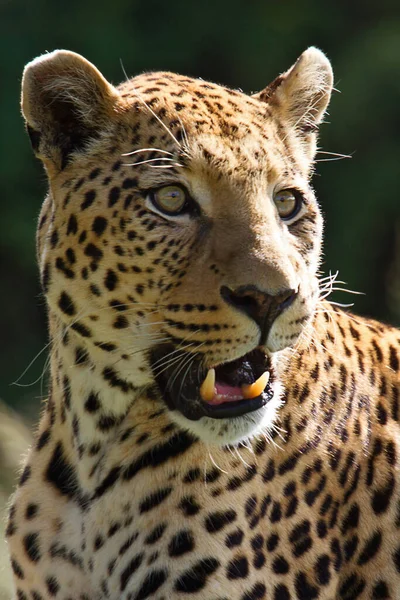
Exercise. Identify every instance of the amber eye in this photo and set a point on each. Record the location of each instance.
(288, 203)
(170, 199)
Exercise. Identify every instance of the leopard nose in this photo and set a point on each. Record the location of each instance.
(261, 307)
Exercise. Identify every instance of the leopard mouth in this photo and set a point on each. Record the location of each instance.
(227, 390)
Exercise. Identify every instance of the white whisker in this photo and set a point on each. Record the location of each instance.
(158, 119)
(342, 305)
(335, 154)
(215, 465)
(241, 458)
(147, 150)
(165, 166)
(16, 382)
(331, 159)
(151, 160)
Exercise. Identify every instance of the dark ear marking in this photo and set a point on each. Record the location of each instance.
(72, 133)
(266, 94)
(34, 136)
(73, 138)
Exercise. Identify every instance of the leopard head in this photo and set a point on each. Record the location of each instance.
(180, 240)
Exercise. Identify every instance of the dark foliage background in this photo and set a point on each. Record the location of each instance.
(242, 44)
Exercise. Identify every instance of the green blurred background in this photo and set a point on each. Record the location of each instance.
(242, 44)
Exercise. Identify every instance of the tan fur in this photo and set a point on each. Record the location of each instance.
(298, 499)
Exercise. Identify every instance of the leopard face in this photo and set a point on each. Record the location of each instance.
(181, 236)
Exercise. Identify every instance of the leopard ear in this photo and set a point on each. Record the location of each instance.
(301, 95)
(66, 103)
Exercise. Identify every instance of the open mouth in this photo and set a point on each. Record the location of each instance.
(227, 390)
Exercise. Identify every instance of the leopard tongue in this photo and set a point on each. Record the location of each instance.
(214, 392)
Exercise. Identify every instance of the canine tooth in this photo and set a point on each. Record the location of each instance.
(207, 388)
(253, 390)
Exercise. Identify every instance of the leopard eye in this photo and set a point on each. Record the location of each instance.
(288, 203)
(170, 199)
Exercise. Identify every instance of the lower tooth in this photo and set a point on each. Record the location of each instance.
(255, 389)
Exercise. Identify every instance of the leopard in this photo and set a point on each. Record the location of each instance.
(215, 428)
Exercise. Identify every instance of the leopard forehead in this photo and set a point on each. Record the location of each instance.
(210, 127)
(204, 107)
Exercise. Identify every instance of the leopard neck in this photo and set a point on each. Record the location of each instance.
(89, 402)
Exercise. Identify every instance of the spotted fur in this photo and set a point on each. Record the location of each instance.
(122, 497)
